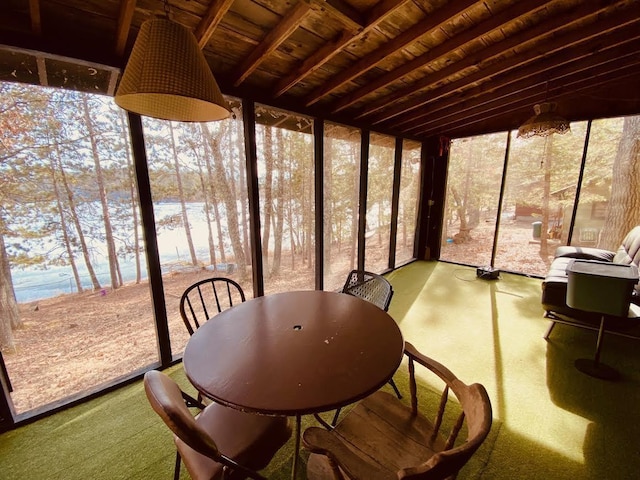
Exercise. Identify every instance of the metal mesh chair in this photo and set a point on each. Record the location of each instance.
(203, 299)
(369, 286)
(373, 288)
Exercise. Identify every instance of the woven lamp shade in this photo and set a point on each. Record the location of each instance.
(167, 76)
(544, 123)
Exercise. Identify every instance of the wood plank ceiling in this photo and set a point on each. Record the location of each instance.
(414, 68)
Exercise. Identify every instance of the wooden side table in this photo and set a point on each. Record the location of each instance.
(604, 288)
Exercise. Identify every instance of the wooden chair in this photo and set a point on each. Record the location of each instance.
(220, 442)
(375, 289)
(206, 297)
(381, 438)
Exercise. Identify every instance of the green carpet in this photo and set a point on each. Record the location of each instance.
(550, 421)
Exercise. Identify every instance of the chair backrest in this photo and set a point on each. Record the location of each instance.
(207, 297)
(475, 411)
(369, 286)
(629, 251)
(166, 399)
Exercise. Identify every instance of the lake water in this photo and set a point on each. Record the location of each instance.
(35, 284)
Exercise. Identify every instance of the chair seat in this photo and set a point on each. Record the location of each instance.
(251, 440)
(402, 440)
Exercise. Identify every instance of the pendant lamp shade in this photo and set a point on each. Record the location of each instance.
(167, 76)
(544, 123)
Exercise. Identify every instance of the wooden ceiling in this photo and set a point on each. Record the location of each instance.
(413, 68)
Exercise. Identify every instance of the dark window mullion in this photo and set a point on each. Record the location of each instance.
(576, 201)
(318, 152)
(150, 237)
(249, 120)
(362, 210)
(395, 202)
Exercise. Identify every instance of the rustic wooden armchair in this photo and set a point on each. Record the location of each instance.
(381, 438)
(203, 299)
(220, 442)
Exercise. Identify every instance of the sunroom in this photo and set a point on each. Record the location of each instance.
(373, 135)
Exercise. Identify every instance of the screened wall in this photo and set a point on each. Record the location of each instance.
(108, 217)
(574, 189)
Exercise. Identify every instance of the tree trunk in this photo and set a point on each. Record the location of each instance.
(214, 198)
(183, 204)
(9, 315)
(328, 204)
(76, 222)
(355, 196)
(546, 197)
(230, 202)
(133, 194)
(268, 198)
(309, 214)
(244, 194)
(624, 205)
(279, 220)
(63, 226)
(207, 213)
(108, 230)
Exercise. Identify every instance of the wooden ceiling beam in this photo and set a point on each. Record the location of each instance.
(274, 38)
(127, 7)
(543, 63)
(582, 87)
(211, 19)
(429, 24)
(345, 13)
(446, 48)
(543, 87)
(377, 14)
(36, 19)
(486, 95)
(573, 38)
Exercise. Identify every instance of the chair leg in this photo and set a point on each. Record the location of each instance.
(176, 469)
(335, 418)
(393, 384)
(546, 335)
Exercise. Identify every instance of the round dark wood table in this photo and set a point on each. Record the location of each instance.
(294, 353)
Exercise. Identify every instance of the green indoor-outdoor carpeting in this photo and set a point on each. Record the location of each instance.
(550, 420)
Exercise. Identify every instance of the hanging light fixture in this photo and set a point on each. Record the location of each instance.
(167, 76)
(544, 123)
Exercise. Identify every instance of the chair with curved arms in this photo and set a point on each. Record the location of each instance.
(220, 442)
(375, 289)
(381, 438)
(206, 297)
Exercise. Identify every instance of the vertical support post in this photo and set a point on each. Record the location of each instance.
(318, 154)
(503, 182)
(7, 410)
(576, 200)
(150, 237)
(395, 202)
(362, 210)
(249, 121)
(434, 161)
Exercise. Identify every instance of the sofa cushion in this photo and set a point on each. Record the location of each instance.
(585, 253)
(629, 251)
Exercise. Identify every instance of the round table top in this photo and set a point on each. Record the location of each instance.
(294, 353)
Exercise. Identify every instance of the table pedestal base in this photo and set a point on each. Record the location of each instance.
(592, 368)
